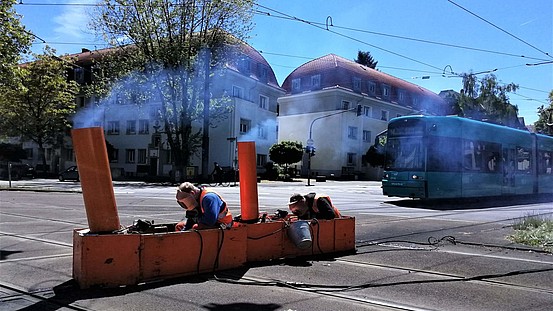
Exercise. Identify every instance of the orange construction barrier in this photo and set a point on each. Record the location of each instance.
(95, 176)
(248, 181)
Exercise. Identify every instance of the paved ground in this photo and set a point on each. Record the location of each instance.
(401, 262)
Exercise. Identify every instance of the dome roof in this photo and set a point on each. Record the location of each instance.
(336, 71)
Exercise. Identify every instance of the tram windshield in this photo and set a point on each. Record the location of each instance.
(404, 153)
(404, 148)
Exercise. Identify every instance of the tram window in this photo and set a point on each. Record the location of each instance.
(444, 154)
(523, 159)
(545, 164)
(481, 156)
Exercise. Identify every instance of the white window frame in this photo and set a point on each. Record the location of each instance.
(296, 84)
(142, 156)
(352, 132)
(384, 115)
(245, 125)
(143, 126)
(113, 128)
(367, 111)
(131, 127)
(316, 81)
(367, 136)
(345, 105)
(263, 102)
(237, 91)
(130, 155)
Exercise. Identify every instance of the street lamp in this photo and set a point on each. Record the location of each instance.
(310, 149)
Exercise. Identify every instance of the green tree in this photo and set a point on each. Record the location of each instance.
(366, 59)
(14, 41)
(39, 108)
(167, 49)
(544, 124)
(487, 99)
(286, 153)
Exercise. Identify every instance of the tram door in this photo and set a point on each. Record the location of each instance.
(509, 168)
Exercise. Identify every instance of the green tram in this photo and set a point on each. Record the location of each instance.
(438, 157)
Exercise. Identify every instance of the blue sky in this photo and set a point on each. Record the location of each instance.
(410, 39)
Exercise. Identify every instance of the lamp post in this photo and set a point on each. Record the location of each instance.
(310, 149)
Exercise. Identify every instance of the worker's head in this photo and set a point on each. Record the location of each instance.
(297, 205)
(187, 196)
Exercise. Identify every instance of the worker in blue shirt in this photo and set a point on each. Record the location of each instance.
(204, 207)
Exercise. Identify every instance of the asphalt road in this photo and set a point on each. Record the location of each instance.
(443, 256)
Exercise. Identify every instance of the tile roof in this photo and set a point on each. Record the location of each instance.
(339, 71)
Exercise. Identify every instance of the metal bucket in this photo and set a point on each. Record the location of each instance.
(300, 234)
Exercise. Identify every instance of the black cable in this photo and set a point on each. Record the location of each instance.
(497, 27)
(216, 263)
(201, 250)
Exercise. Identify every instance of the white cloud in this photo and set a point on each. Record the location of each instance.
(72, 23)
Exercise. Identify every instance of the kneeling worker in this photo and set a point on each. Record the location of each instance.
(207, 207)
(312, 205)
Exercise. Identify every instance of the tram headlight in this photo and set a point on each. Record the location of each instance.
(386, 176)
(415, 177)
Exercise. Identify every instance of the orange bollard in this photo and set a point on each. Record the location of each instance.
(248, 181)
(95, 176)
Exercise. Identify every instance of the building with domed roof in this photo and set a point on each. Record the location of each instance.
(338, 106)
(139, 149)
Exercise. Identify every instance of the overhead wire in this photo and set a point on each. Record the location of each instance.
(499, 28)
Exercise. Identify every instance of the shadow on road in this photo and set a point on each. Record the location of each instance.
(472, 203)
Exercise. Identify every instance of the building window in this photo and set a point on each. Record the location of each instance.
(131, 127)
(130, 155)
(262, 131)
(367, 111)
(261, 159)
(351, 159)
(29, 153)
(143, 126)
(141, 156)
(79, 75)
(263, 72)
(296, 84)
(385, 91)
(316, 81)
(79, 101)
(263, 102)
(384, 115)
(244, 65)
(367, 136)
(372, 87)
(237, 91)
(356, 84)
(114, 155)
(352, 132)
(345, 105)
(113, 127)
(245, 126)
(401, 96)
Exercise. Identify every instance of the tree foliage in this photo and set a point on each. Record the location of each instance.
(166, 52)
(286, 152)
(14, 41)
(39, 108)
(366, 59)
(544, 124)
(487, 100)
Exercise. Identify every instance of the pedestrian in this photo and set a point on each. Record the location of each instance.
(313, 205)
(205, 208)
(217, 174)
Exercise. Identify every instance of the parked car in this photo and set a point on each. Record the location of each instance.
(18, 171)
(71, 173)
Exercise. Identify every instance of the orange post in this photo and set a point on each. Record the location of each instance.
(248, 181)
(95, 176)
